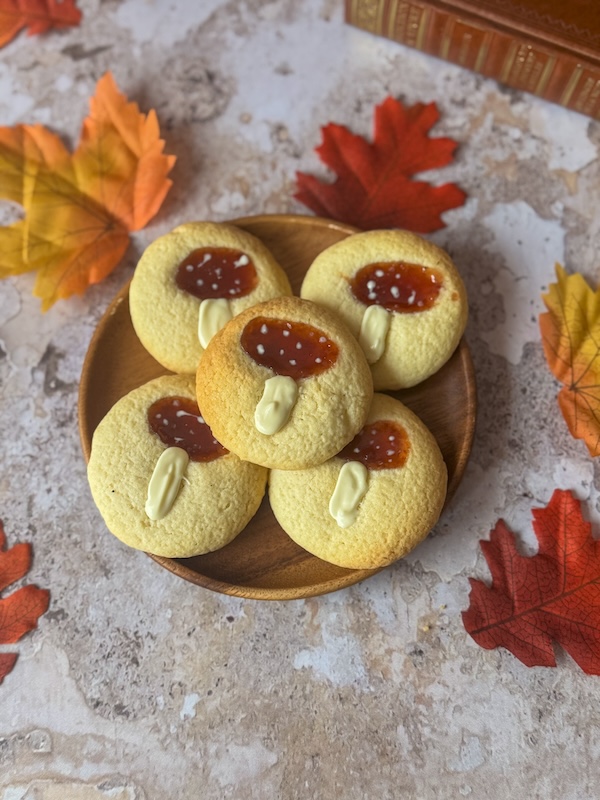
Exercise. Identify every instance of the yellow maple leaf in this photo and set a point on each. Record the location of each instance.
(571, 339)
(80, 207)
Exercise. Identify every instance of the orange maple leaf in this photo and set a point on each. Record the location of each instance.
(37, 16)
(19, 612)
(80, 207)
(571, 338)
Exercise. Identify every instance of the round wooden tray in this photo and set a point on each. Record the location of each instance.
(263, 562)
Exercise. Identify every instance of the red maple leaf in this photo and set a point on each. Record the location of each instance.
(551, 596)
(374, 188)
(19, 612)
(37, 16)
(7, 662)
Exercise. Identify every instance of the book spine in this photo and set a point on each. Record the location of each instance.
(524, 64)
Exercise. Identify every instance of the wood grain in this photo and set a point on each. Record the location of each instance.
(263, 562)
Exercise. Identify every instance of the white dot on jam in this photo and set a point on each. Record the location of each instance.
(233, 291)
(371, 285)
(218, 272)
(390, 452)
(373, 432)
(281, 352)
(391, 438)
(356, 450)
(215, 441)
(372, 296)
(199, 282)
(214, 286)
(298, 345)
(201, 420)
(175, 402)
(260, 349)
(292, 362)
(286, 333)
(395, 291)
(379, 273)
(237, 282)
(318, 360)
(263, 329)
(322, 339)
(158, 416)
(189, 267)
(165, 422)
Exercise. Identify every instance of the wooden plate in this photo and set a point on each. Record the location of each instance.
(263, 562)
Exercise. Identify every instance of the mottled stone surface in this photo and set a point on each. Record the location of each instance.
(138, 685)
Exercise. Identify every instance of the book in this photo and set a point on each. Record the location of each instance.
(549, 48)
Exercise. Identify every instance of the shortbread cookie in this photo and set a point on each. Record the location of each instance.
(400, 295)
(373, 502)
(284, 384)
(182, 507)
(191, 281)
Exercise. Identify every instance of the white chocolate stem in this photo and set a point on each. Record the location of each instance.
(374, 329)
(351, 487)
(165, 482)
(214, 314)
(276, 404)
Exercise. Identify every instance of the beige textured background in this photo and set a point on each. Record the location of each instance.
(139, 686)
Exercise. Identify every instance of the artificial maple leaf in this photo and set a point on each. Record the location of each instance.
(80, 207)
(20, 611)
(37, 16)
(571, 338)
(7, 662)
(551, 596)
(374, 188)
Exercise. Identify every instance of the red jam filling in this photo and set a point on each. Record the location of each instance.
(294, 349)
(397, 286)
(178, 423)
(381, 445)
(212, 272)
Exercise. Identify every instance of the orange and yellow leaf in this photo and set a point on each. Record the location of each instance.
(571, 339)
(79, 208)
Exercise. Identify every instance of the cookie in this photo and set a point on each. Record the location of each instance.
(400, 295)
(284, 384)
(189, 282)
(373, 502)
(182, 507)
